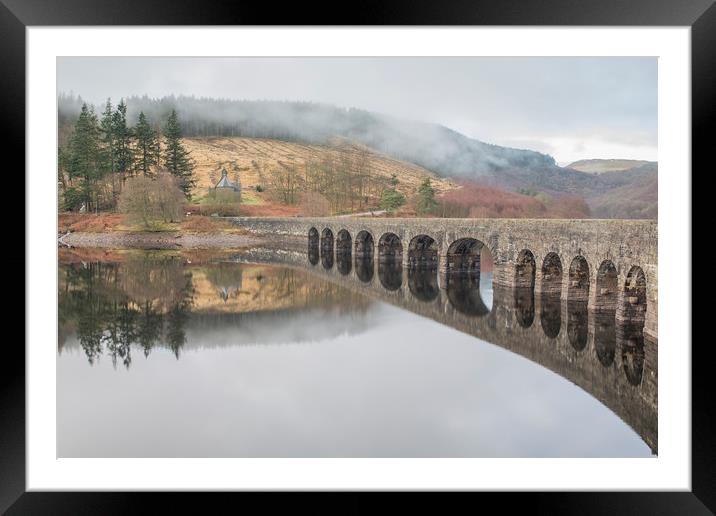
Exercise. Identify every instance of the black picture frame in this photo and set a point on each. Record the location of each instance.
(16, 15)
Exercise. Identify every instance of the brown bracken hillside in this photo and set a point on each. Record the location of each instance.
(252, 159)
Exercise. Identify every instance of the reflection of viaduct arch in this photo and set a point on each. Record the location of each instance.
(615, 268)
(616, 365)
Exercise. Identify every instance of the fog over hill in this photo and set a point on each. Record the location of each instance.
(437, 148)
(432, 146)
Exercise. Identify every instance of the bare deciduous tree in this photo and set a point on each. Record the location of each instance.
(152, 201)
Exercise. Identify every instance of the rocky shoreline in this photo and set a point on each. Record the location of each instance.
(158, 240)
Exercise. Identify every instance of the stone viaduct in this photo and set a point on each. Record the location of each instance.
(609, 265)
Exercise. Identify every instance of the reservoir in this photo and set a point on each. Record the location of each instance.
(269, 354)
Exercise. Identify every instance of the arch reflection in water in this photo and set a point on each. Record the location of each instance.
(390, 273)
(463, 291)
(364, 267)
(630, 340)
(605, 337)
(524, 299)
(423, 282)
(577, 324)
(550, 314)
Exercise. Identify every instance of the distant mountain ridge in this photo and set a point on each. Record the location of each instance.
(600, 166)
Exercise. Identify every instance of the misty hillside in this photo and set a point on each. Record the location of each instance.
(431, 146)
(629, 193)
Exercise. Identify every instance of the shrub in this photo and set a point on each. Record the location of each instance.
(149, 201)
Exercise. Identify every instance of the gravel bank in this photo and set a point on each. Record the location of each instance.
(158, 240)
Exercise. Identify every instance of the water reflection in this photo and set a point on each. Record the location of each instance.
(550, 314)
(630, 340)
(151, 302)
(364, 267)
(463, 290)
(390, 273)
(577, 324)
(524, 299)
(423, 282)
(343, 262)
(605, 337)
(144, 302)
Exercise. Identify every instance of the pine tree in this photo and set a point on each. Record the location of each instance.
(146, 146)
(84, 162)
(123, 140)
(426, 197)
(176, 158)
(109, 146)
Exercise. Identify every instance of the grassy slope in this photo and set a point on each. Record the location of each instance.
(244, 155)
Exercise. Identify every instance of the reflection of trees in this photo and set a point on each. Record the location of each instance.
(117, 305)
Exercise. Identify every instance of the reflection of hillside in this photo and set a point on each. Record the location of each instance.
(233, 288)
(158, 300)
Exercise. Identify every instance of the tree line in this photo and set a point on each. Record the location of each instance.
(339, 181)
(102, 153)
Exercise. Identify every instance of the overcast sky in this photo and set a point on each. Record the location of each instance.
(570, 108)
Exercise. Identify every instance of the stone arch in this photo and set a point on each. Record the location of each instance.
(578, 286)
(463, 255)
(634, 306)
(364, 244)
(390, 248)
(552, 274)
(607, 288)
(327, 248)
(343, 252)
(423, 252)
(525, 268)
(343, 242)
(326, 241)
(313, 241)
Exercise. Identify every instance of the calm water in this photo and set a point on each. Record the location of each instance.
(162, 355)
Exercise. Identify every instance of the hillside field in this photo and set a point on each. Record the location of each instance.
(250, 158)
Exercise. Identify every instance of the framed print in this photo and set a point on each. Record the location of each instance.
(418, 253)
